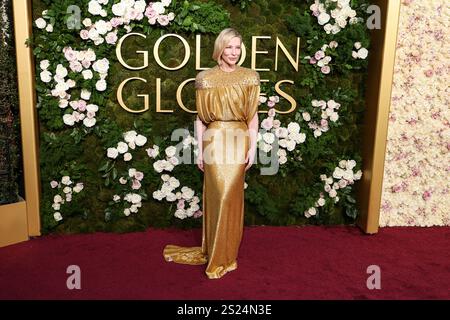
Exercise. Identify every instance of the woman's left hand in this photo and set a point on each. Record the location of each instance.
(250, 158)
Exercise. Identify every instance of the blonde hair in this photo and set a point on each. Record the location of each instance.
(222, 41)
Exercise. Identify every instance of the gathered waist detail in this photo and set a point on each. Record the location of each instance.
(227, 124)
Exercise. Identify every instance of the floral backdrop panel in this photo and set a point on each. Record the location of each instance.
(116, 104)
(416, 179)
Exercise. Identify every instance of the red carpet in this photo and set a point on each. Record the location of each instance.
(274, 263)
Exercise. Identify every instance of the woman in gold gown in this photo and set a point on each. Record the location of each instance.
(227, 98)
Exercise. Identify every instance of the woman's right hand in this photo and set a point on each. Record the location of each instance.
(200, 161)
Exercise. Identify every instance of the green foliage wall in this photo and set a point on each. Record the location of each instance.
(278, 200)
(11, 173)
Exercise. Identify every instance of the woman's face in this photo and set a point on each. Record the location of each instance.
(232, 51)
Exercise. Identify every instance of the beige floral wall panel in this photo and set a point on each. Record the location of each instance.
(416, 177)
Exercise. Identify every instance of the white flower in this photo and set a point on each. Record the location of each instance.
(61, 71)
(269, 137)
(66, 180)
(87, 22)
(127, 156)
(126, 212)
(332, 193)
(170, 151)
(158, 195)
(87, 74)
(46, 76)
(306, 116)
(281, 132)
(140, 140)
(67, 189)
(158, 7)
(136, 198)
(100, 85)
(119, 9)
(357, 45)
(111, 38)
(57, 199)
(78, 187)
(312, 211)
(350, 164)
(130, 136)
(171, 197)
(44, 64)
(174, 183)
(122, 147)
(40, 23)
(101, 66)
(68, 119)
(116, 198)
(112, 153)
(122, 180)
(57, 216)
(363, 53)
(94, 7)
(85, 94)
(179, 213)
(90, 55)
(321, 202)
(323, 18)
(293, 127)
(334, 117)
(187, 193)
(89, 122)
(49, 28)
(166, 3)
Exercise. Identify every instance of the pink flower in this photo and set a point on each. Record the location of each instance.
(136, 184)
(270, 104)
(149, 12)
(429, 73)
(84, 34)
(81, 105)
(54, 184)
(396, 188)
(312, 61)
(198, 214)
(115, 22)
(163, 20)
(323, 123)
(139, 175)
(319, 55)
(267, 123)
(426, 195)
(111, 38)
(86, 63)
(180, 204)
(325, 69)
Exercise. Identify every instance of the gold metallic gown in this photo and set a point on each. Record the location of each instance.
(226, 103)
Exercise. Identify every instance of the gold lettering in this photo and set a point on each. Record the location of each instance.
(180, 100)
(120, 97)
(119, 52)
(254, 52)
(198, 39)
(286, 96)
(286, 53)
(158, 97)
(187, 51)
